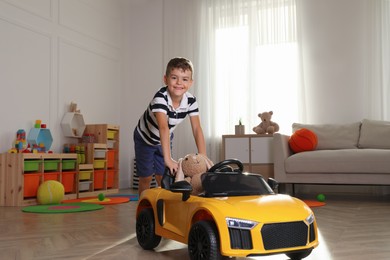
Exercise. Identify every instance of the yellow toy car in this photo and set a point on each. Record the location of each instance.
(238, 215)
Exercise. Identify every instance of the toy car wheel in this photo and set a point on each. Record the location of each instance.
(146, 237)
(203, 241)
(299, 255)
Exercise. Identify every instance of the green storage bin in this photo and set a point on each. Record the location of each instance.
(32, 165)
(68, 164)
(51, 165)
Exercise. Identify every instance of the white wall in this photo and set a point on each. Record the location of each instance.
(143, 70)
(107, 55)
(333, 35)
(53, 52)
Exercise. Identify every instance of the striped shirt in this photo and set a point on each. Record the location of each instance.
(147, 125)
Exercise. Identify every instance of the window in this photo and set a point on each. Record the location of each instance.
(256, 65)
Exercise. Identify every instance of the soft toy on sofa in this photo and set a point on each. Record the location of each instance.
(266, 126)
(191, 168)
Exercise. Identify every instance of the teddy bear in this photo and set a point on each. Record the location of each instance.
(191, 169)
(266, 126)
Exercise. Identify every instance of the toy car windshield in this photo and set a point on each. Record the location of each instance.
(222, 184)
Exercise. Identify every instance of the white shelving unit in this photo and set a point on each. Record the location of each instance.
(73, 124)
(254, 151)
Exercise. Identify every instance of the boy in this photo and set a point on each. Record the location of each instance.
(154, 132)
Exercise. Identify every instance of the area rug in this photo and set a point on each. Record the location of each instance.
(62, 208)
(132, 197)
(95, 200)
(314, 203)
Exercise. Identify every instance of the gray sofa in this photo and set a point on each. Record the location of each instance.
(354, 153)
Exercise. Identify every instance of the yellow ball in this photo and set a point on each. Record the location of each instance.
(50, 192)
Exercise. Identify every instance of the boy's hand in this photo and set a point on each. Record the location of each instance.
(172, 165)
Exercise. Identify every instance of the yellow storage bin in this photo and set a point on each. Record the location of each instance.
(85, 175)
(99, 164)
(111, 134)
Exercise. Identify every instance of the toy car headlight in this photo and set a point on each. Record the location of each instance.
(310, 219)
(240, 223)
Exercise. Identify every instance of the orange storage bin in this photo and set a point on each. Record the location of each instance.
(110, 158)
(98, 179)
(51, 176)
(31, 184)
(68, 180)
(110, 178)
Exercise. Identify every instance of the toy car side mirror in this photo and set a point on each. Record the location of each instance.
(273, 183)
(182, 187)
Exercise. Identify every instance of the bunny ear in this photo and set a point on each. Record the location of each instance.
(179, 174)
(209, 163)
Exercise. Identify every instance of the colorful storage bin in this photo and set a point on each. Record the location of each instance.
(99, 164)
(85, 175)
(111, 134)
(110, 144)
(68, 164)
(85, 185)
(98, 153)
(51, 165)
(110, 178)
(110, 158)
(98, 179)
(32, 165)
(68, 180)
(31, 184)
(51, 176)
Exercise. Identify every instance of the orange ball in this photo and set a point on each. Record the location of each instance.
(303, 140)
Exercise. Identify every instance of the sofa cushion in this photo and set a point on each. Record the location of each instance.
(340, 161)
(333, 136)
(375, 134)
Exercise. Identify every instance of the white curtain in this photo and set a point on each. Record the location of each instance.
(378, 60)
(248, 60)
(246, 57)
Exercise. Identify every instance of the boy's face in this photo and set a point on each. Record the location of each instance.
(178, 82)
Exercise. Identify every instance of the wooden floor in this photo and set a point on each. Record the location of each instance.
(352, 227)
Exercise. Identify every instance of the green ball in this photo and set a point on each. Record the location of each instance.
(321, 197)
(101, 196)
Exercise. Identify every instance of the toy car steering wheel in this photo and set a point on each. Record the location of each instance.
(218, 166)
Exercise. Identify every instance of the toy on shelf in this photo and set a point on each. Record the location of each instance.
(77, 149)
(266, 126)
(73, 122)
(80, 150)
(39, 138)
(20, 144)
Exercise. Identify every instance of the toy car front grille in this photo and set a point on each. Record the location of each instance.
(240, 238)
(284, 235)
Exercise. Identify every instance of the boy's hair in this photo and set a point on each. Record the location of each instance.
(179, 63)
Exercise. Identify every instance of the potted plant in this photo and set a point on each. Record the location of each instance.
(240, 128)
